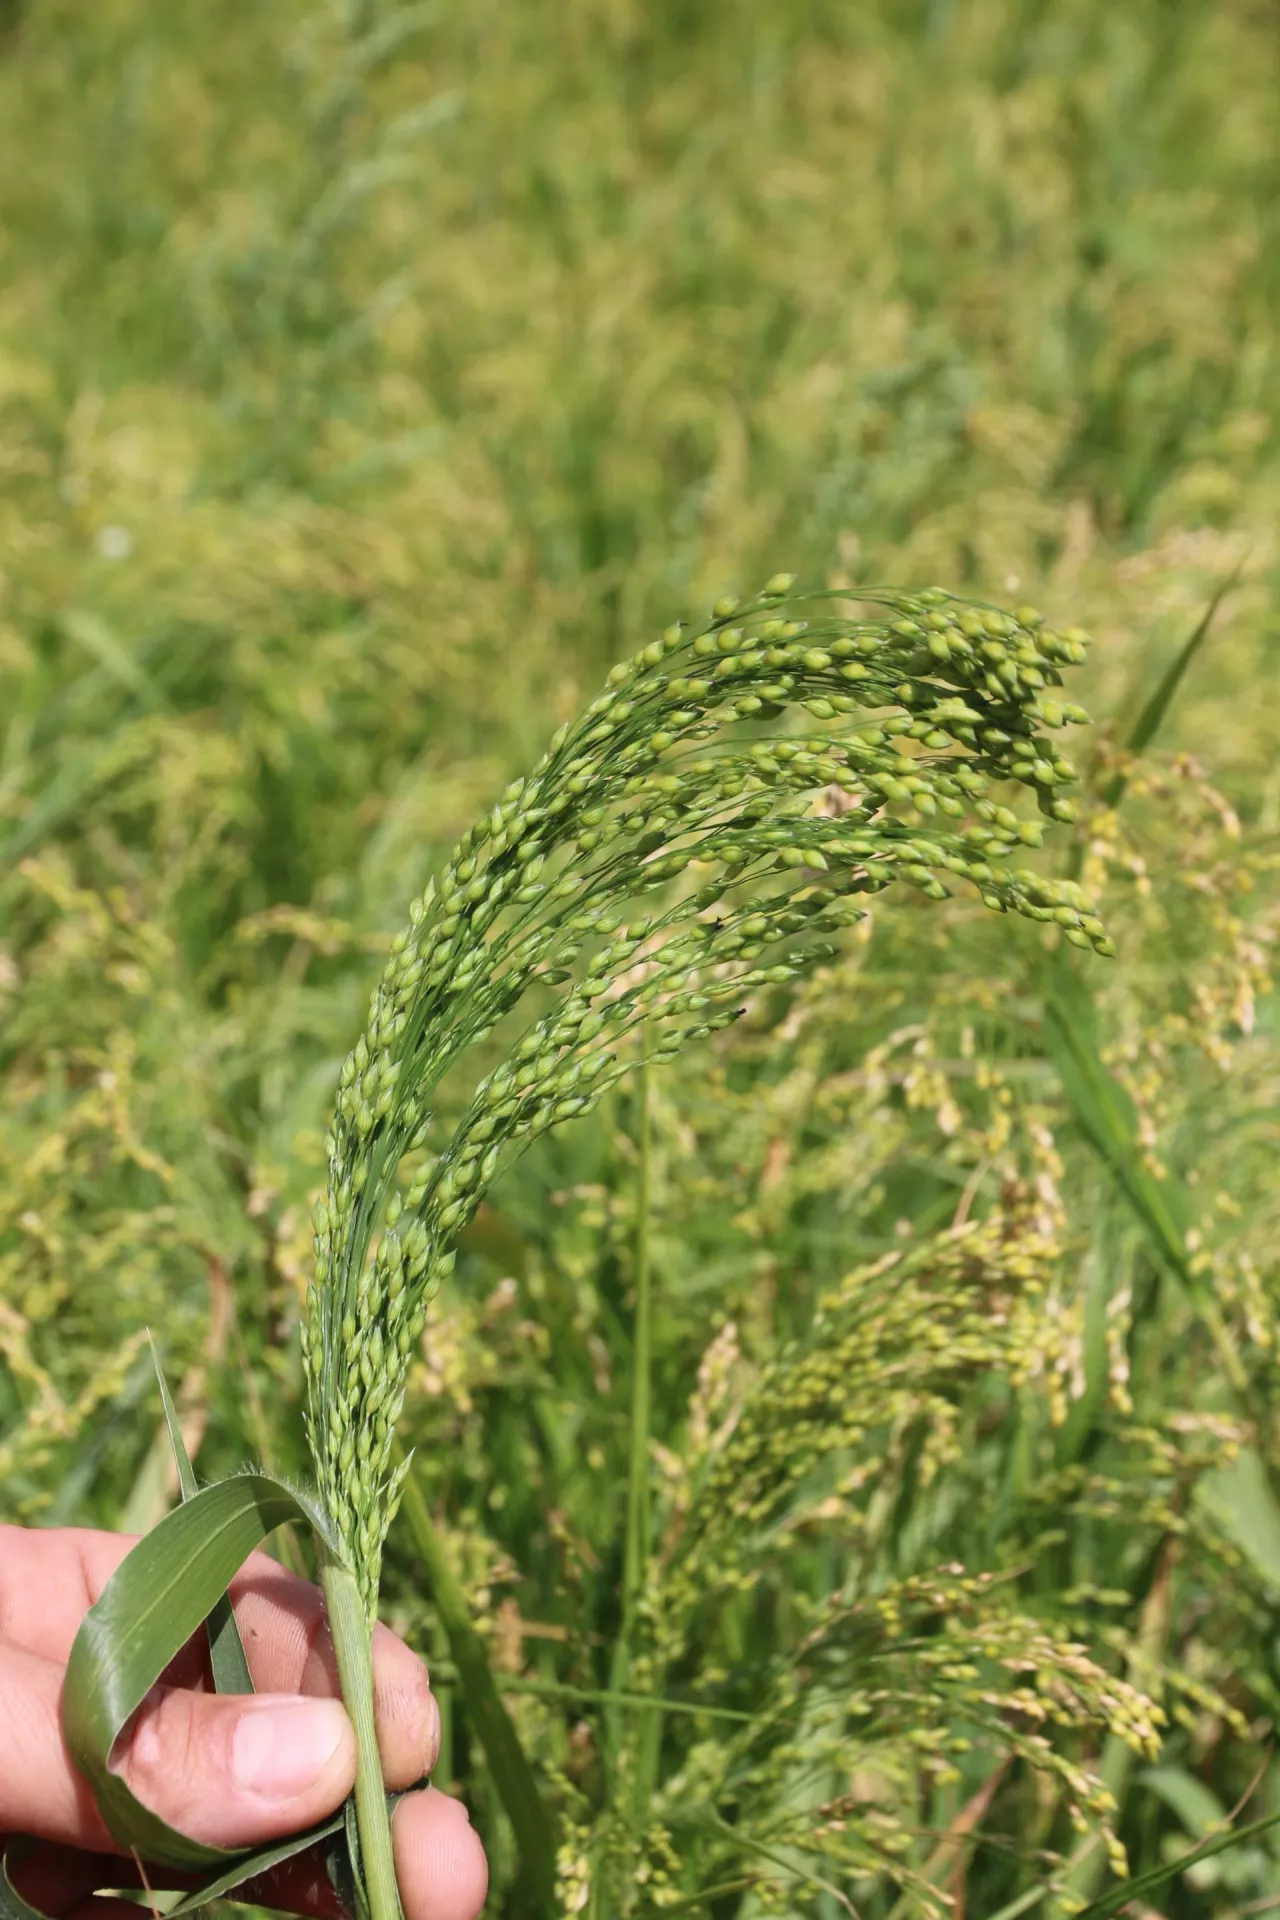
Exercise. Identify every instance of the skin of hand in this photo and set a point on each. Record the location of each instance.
(231, 1770)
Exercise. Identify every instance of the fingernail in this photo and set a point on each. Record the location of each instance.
(280, 1748)
(433, 1733)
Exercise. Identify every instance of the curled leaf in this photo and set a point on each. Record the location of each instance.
(161, 1593)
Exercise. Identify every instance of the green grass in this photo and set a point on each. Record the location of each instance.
(370, 380)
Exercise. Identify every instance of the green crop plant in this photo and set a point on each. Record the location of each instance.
(344, 344)
(693, 840)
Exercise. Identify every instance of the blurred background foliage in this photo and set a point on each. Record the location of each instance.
(371, 376)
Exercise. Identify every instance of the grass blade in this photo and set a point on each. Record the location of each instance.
(1106, 1117)
(65, 1507)
(606, 1697)
(1123, 1894)
(246, 1866)
(1022, 1904)
(158, 1597)
(1241, 1499)
(12, 1904)
(97, 639)
(1151, 718)
(513, 1777)
(58, 800)
(250, 1865)
(226, 1649)
(178, 1446)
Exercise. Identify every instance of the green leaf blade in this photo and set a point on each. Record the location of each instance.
(1126, 1891)
(12, 1904)
(226, 1648)
(249, 1866)
(514, 1778)
(1152, 717)
(1106, 1115)
(155, 1601)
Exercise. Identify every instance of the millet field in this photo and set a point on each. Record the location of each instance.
(839, 1471)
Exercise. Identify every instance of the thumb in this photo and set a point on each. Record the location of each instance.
(235, 1769)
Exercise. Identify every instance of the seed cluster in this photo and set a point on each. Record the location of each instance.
(913, 1678)
(895, 1347)
(885, 1684)
(674, 852)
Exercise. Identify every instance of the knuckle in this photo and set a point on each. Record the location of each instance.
(402, 1695)
(434, 1734)
(160, 1750)
(319, 1664)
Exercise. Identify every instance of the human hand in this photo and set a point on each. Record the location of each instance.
(231, 1770)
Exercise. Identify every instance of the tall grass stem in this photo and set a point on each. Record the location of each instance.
(353, 1650)
(650, 1728)
(522, 1800)
(637, 1544)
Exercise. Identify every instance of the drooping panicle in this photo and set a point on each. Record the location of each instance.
(729, 801)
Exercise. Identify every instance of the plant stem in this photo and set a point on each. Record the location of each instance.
(516, 1783)
(637, 1545)
(352, 1646)
(636, 1549)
